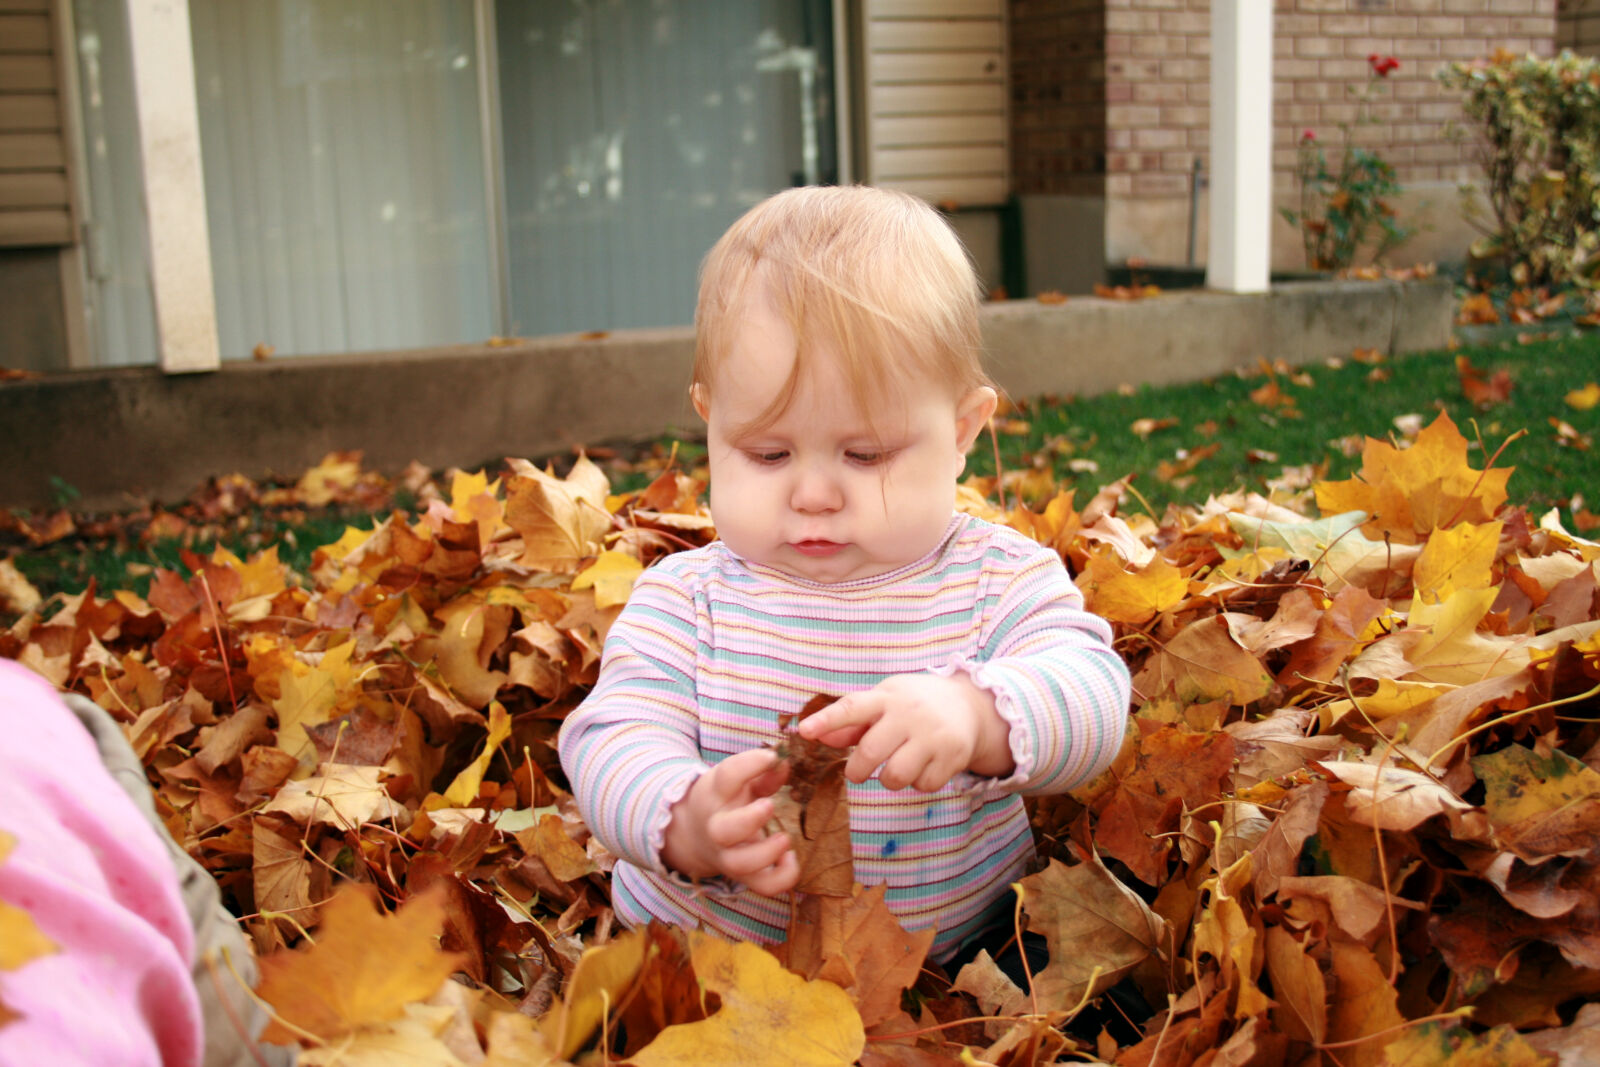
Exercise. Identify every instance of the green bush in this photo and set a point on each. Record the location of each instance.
(1539, 123)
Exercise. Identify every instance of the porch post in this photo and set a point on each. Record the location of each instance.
(1240, 255)
(174, 191)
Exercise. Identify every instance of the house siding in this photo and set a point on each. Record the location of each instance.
(35, 194)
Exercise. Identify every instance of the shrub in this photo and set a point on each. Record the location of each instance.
(1539, 123)
(1340, 206)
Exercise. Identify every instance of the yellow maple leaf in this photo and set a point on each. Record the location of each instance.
(1361, 1002)
(1460, 557)
(474, 498)
(364, 968)
(263, 575)
(322, 483)
(1448, 646)
(1131, 596)
(1585, 398)
(611, 576)
(763, 1007)
(465, 788)
(1411, 492)
(597, 982)
(309, 696)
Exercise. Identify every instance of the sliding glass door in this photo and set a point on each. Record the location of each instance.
(388, 174)
(635, 131)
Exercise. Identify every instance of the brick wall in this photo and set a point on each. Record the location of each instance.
(1058, 96)
(1141, 68)
(1321, 63)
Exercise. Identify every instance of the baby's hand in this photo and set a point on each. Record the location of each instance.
(921, 729)
(718, 827)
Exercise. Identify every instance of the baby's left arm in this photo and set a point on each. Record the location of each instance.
(1044, 706)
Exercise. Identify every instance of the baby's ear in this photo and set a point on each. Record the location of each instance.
(972, 415)
(701, 400)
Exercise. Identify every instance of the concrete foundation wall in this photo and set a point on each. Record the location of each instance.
(128, 435)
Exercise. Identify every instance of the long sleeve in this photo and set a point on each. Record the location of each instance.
(1055, 678)
(632, 749)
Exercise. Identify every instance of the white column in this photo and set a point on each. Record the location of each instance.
(1240, 256)
(174, 191)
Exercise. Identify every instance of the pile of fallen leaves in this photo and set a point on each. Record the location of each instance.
(1356, 821)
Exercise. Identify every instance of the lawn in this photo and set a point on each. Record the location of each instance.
(1261, 428)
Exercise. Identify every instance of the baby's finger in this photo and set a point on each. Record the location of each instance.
(733, 780)
(736, 826)
(876, 746)
(904, 767)
(857, 712)
(778, 878)
(744, 862)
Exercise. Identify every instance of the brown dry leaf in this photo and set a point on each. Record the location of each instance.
(364, 969)
(1204, 662)
(562, 856)
(1483, 393)
(343, 795)
(858, 944)
(813, 808)
(1177, 770)
(1298, 987)
(561, 520)
(1477, 310)
(1092, 922)
(763, 1007)
(1392, 798)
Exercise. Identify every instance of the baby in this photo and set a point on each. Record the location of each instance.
(837, 369)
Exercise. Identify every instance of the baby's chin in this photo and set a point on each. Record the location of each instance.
(834, 571)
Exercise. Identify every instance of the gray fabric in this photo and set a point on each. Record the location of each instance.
(218, 940)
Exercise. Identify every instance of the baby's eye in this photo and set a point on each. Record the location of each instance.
(868, 458)
(765, 457)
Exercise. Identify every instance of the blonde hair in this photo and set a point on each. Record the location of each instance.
(876, 275)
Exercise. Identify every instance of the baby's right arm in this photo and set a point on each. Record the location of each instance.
(719, 827)
(632, 754)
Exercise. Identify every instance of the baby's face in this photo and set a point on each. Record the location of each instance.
(824, 493)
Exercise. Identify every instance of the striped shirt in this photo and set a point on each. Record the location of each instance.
(712, 648)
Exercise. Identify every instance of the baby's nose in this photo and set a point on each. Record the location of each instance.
(815, 490)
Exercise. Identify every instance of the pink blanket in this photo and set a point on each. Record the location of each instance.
(96, 879)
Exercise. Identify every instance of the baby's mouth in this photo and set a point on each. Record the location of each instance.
(817, 548)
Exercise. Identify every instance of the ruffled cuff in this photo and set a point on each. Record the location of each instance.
(656, 838)
(1019, 738)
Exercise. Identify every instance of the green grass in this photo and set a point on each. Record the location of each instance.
(1339, 404)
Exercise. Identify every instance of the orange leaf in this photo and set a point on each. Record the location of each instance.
(1131, 596)
(1410, 493)
(364, 968)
